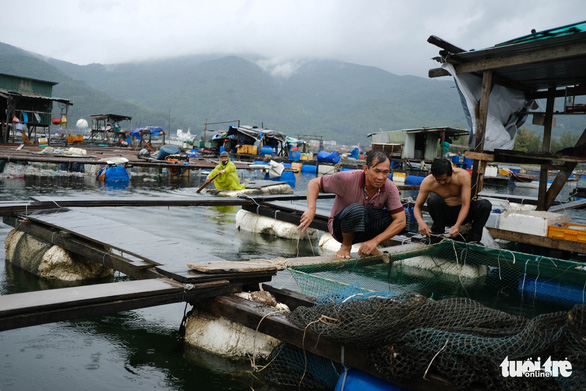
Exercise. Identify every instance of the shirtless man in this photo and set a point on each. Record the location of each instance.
(367, 208)
(448, 192)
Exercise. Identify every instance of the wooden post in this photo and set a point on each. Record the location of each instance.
(482, 115)
(561, 178)
(545, 147)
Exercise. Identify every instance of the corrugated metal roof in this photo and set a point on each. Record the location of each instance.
(547, 60)
(29, 95)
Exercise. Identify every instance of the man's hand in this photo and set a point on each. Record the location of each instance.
(222, 172)
(454, 231)
(369, 248)
(208, 180)
(306, 219)
(424, 229)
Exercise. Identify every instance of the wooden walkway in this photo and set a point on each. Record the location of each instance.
(159, 265)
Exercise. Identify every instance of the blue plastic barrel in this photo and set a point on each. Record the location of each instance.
(355, 380)
(309, 168)
(285, 164)
(328, 157)
(167, 150)
(289, 177)
(286, 176)
(266, 151)
(551, 290)
(468, 162)
(116, 174)
(456, 159)
(414, 180)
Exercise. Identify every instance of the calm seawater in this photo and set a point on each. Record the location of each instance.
(136, 350)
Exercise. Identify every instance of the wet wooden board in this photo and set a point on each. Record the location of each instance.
(233, 267)
(32, 308)
(186, 275)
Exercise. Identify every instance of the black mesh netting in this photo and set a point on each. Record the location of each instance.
(293, 368)
(408, 335)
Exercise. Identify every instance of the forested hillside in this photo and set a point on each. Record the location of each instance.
(340, 101)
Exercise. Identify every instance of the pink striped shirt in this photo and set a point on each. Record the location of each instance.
(350, 188)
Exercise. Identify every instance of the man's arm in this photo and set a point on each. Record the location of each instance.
(313, 189)
(465, 195)
(418, 208)
(398, 224)
(212, 173)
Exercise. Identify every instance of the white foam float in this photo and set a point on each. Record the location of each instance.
(328, 245)
(251, 222)
(49, 261)
(255, 188)
(219, 335)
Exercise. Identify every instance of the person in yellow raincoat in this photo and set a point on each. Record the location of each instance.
(227, 178)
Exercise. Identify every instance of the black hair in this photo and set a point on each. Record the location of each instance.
(441, 166)
(375, 157)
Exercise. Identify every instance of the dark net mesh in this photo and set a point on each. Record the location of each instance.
(408, 335)
(452, 310)
(293, 368)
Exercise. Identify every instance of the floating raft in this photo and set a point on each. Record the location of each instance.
(255, 188)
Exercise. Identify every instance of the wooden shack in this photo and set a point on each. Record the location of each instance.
(548, 65)
(414, 144)
(28, 105)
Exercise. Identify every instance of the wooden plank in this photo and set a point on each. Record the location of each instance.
(578, 204)
(541, 241)
(185, 275)
(19, 303)
(538, 55)
(195, 200)
(485, 156)
(39, 307)
(234, 266)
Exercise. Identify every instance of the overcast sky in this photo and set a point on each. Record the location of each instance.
(389, 34)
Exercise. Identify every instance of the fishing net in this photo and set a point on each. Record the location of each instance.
(296, 369)
(453, 310)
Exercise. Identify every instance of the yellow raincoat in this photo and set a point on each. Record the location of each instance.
(227, 181)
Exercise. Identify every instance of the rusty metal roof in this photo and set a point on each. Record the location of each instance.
(539, 61)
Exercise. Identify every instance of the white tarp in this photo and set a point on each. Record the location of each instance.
(506, 110)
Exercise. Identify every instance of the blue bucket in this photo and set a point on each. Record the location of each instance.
(294, 155)
(456, 159)
(468, 162)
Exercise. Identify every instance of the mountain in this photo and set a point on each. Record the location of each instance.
(337, 100)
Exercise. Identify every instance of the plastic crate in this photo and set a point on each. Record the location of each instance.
(568, 231)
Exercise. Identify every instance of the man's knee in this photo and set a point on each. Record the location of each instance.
(434, 201)
(484, 206)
